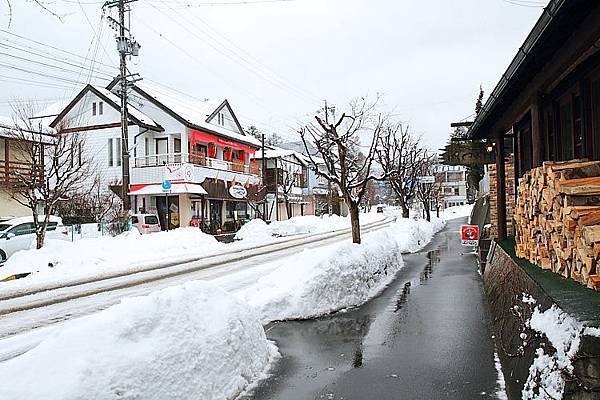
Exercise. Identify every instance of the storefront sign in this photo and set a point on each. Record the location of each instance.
(469, 235)
(179, 172)
(238, 192)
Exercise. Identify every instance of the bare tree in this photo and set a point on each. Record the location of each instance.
(401, 156)
(51, 167)
(98, 205)
(338, 144)
(428, 192)
(289, 180)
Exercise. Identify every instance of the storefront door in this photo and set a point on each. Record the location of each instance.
(173, 211)
(215, 214)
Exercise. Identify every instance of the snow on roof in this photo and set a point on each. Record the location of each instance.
(11, 128)
(280, 153)
(134, 112)
(193, 110)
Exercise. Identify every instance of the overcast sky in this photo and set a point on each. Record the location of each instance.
(276, 61)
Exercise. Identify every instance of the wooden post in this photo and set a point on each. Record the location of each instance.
(500, 186)
(537, 136)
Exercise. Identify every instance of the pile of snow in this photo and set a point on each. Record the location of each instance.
(548, 371)
(193, 341)
(258, 231)
(413, 234)
(338, 276)
(95, 255)
(457, 211)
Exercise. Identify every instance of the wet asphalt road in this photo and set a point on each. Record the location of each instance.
(427, 336)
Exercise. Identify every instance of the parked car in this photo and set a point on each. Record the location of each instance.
(19, 234)
(145, 223)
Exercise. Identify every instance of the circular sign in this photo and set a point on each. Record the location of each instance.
(166, 184)
(238, 192)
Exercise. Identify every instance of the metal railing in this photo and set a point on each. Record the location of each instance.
(195, 158)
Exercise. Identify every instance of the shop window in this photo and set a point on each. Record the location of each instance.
(566, 131)
(596, 117)
(578, 128)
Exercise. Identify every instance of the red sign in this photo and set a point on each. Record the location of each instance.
(204, 137)
(469, 235)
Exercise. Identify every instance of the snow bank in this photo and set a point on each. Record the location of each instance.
(258, 231)
(193, 341)
(327, 279)
(547, 372)
(93, 255)
(457, 211)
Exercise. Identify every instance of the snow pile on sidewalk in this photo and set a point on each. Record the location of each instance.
(547, 372)
(258, 231)
(413, 234)
(96, 255)
(327, 279)
(193, 341)
(457, 211)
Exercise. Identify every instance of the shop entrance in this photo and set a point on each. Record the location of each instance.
(216, 207)
(172, 210)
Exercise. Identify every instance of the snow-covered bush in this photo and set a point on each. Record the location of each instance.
(193, 341)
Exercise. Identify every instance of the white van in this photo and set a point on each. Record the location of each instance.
(19, 234)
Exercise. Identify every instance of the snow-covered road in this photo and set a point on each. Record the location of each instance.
(28, 319)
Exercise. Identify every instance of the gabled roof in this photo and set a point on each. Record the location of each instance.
(194, 114)
(135, 115)
(280, 153)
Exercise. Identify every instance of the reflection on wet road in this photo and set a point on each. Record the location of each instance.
(427, 336)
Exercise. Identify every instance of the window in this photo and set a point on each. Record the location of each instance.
(566, 131)
(596, 117)
(110, 152)
(221, 118)
(94, 108)
(23, 229)
(51, 226)
(100, 108)
(151, 220)
(118, 143)
(456, 191)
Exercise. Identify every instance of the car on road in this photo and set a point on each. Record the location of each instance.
(19, 234)
(145, 223)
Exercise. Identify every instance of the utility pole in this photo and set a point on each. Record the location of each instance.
(264, 177)
(329, 200)
(126, 46)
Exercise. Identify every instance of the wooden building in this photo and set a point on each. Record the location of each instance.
(546, 106)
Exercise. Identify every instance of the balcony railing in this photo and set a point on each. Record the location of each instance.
(199, 159)
(11, 171)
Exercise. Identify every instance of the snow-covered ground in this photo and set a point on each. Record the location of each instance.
(258, 231)
(197, 341)
(457, 212)
(87, 257)
(327, 279)
(550, 367)
(193, 341)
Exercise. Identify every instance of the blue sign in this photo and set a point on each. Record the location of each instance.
(166, 185)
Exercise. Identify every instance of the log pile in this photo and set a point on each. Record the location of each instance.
(557, 218)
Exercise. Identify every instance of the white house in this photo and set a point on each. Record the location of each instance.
(286, 180)
(198, 146)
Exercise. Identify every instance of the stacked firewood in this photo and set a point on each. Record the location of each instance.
(557, 219)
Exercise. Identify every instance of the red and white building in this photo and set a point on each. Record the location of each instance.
(198, 146)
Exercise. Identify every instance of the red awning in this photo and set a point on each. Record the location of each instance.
(199, 136)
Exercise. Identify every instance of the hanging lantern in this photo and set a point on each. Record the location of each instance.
(227, 153)
(242, 156)
(212, 150)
